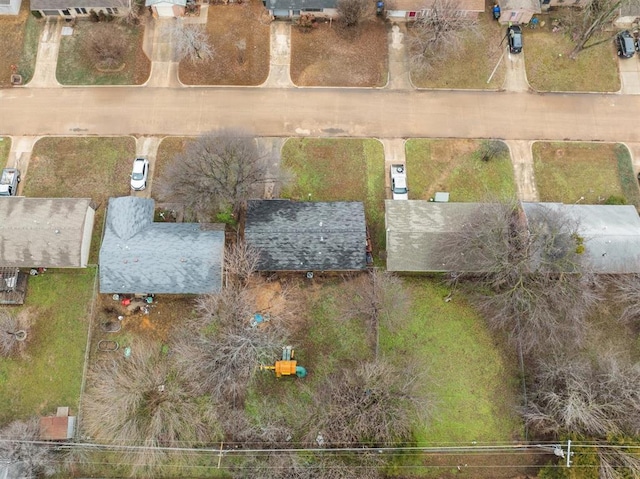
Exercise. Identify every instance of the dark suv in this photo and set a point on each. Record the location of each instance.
(514, 34)
(625, 44)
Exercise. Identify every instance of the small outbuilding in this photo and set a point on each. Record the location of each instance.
(60, 427)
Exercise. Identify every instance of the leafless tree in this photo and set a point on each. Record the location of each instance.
(216, 171)
(527, 274)
(597, 397)
(17, 448)
(439, 33)
(191, 41)
(596, 17)
(354, 12)
(370, 403)
(106, 45)
(626, 290)
(618, 463)
(142, 400)
(221, 351)
(240, 263)
(10, 334)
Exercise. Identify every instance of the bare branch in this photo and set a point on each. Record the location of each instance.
(354, 12)
(33, 460)
(191, 41)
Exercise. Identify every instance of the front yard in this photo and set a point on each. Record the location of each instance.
(455, 166)
(240, 38)
(83, 167)
(588, 173)
(19, 36)
(49, 373)
(333, 55)
(75, 67)
(5, 148)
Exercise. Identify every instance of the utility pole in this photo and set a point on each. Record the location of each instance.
(569, 453)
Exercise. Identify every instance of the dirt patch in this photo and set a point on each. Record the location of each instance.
(332, 55)
(240, 37)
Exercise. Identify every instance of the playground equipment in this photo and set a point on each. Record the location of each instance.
(287, 366)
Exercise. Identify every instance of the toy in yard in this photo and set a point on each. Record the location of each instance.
(287, 366)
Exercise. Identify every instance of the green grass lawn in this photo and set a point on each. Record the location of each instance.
(549, 67)
(74, 68)
(19, 36)
(339, 170)
(49, 373)
(89, 167)
(475, 389)
(5, 148)
(566, 172)
(473, 63)
(455, 166)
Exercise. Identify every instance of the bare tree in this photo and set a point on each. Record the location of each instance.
(240, 263)
(216, 171)
(527, 274)
(372, 403)
(354, 12)
(11, 334)
(439, 33)
(191, 41)
(596, 17)
(626, 290)
(221, 351)
(106, 45)
(142, 400)
(18, 449)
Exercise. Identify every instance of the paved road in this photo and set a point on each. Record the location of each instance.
(319, 112)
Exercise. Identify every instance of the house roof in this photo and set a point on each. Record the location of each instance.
(300, 4)
(140, 256)
(418, 5)
(307, 236)
(56, 428)
(89, 4)
(520, 5)
(45, 232)
(414, 228)
(611, 233)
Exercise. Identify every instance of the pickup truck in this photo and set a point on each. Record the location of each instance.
(399, 190)
(9, 182)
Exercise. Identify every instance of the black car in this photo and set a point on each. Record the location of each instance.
(514, 35)
(625, 44)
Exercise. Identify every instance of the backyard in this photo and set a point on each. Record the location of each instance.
(339, 170)
(549, 67)
(75, 67)
(240, 39)
(19, 36)
(589, 173)
(49, 373)
(333, 55)
(470, 66)
(5, 148)
(456, 166)
(83, 167)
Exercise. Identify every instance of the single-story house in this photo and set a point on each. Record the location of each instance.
(167, 8)
(307, 236)
(518, 11)
(294, 8)
(79, 8)
(10, 7)
(139, 255)
(410, 10)
(45, 232)
(415, 229)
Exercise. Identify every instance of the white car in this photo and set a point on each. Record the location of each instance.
(399, 190)
(139, 174)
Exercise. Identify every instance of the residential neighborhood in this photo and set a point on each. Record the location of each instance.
(319, 239)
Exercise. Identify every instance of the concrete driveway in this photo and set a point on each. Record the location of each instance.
(630, 75)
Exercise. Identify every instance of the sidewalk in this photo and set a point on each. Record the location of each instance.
(44, 75)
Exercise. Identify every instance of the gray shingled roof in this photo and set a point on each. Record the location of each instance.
(307, 236)
(140, 256)
(300, 4)
(88, 4)
(45, 232)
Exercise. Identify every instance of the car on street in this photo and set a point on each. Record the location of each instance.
(139, 174)
(514, 37)
(625, 44)
(399, 190)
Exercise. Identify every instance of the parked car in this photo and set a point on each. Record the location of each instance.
(625, 44)
(9, 182)
(139, 174)
(514, 36)
(399, 190)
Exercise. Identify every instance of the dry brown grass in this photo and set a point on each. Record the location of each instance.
(18, 44)
(333, 55)
(240, 38)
